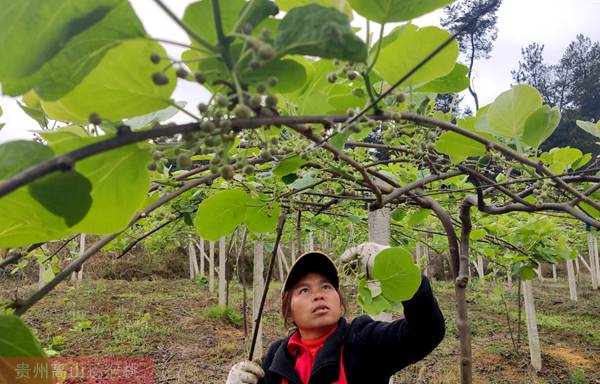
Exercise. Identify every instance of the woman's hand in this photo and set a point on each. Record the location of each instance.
(245, 372)
(365, 255)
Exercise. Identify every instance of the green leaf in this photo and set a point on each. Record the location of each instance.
(589, 127)
(17, 156)
(119, 87)
(120, 181)
(36, 114)
(418, 217)
(458, 147)
(17, 340)
(289, 165)
(261, 217)
(540, 125)
(478, 234)
(398, 214)
(303, 182)
(47, 275)
(508, 114)
(339, 140)
(408, 45)
(56, 44)
(385, 11)
(583, 160)
(260, 10)
(400, 278)
(318, 31)
(199, 18)
(221, 213)
(340, 5)
(454, 82)
(25, 221)
(354, 219)
(290, 73)
(526, 273)
(65, 194)
(560, 159)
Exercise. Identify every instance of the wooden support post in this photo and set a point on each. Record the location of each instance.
(280, 265)
(293, 251)
(596, 258)
(211, 266)
(379, 232)
(535, 352)
(285, 263)
(81, 252)
(592, 258)
(258, 287)
(571, 277)
(554, 272)
(202, 256)
(222, 282)
(479, 266)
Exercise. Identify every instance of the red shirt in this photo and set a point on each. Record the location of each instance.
(306, 351)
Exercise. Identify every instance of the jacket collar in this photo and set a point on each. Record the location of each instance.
(327, 362)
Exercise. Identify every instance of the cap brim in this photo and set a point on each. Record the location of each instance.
(309, 262)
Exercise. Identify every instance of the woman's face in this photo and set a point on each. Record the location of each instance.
(315, 305)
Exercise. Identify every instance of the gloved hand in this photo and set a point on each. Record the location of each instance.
(245, 372)
(364, 254)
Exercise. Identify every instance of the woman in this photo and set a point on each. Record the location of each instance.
(325, 349)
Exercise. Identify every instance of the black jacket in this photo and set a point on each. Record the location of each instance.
(373, 350)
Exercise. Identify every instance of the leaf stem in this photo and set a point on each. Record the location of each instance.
(223, 40)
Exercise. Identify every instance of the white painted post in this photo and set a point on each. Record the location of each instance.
(202, 256)
(479, 266)
(577, 265)
(509, 275)
(190, 262)
(258, 287)
(596, 258)
(285, 263)
(211, 266)
(591, 251)
(311, 243)
(293, 251)
(535, 352)
(41, 276)
(280, 264)
(81, 252)
(571, 277)
(379, 232)
(222, 282)
(554, 272)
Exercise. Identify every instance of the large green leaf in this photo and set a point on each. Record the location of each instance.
(540, 125)
(26, 221)
(16, 339)
(340, 5)
(261, 216)
(458, 147)
(419, 216)
(399, 276)
(454, 82)
(221, 213)
(385, 11)
(560, 160)
(66, 194)
(119, 177)
(508, 114)
(57, 43)
(408, 45)
(589, 127)
(19, 346)
(17, 156)
(318, 31)
(119, 87)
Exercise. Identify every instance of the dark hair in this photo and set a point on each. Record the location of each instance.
(286, 305)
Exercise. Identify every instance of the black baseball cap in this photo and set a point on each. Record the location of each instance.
(313, 261)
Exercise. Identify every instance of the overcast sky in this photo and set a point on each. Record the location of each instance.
(554, 23)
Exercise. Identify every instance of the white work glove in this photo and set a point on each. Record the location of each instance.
(364, 254)
(245, 372)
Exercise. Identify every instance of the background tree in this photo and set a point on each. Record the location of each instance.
(572, 85)
(478, 41)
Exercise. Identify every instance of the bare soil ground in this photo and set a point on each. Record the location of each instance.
(171, 321)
